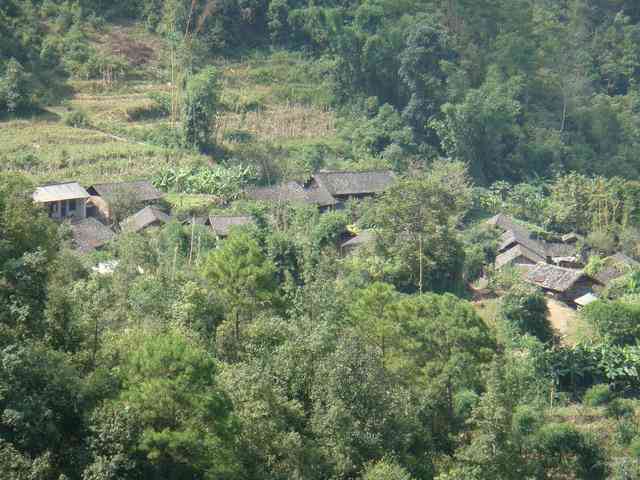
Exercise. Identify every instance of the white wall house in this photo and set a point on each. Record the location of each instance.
(63, 201)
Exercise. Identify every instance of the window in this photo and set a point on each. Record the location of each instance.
(72, 205)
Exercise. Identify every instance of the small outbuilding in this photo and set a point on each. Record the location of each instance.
(145, 218)
(139, 193)
(366, 237)
(63, 201)
(615, 266)
(566, 283)
(222, 225)
(343, 185)
(89, 234)
(585, 300)
(517, 255)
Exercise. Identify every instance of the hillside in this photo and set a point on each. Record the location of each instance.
(319, 239)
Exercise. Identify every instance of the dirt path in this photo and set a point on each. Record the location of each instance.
(562, 318)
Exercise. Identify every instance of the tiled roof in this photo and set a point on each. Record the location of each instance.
(615, 266)
(222, 225)
(355, 183)
(144, 218)
(521, 236)
(553, 278)
(140, 190)
(515, 252)
(364, 237)
(89, 234)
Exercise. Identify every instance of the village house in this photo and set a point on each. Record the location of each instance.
(566, 284)
(517, 255)
(145, 218)
(89, 234)
(343, 186)
(104, 196)
(326, 189)
(293, 192)
(615, 266)
(221, 225)
(63, 201)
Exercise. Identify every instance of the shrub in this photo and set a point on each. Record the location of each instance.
(634, 447)
(15, 91)
(626, 431)
(561, 444)
(76, 119)
(524, 309)
(616, 321)
(146, 111)
(620, 408)
(597, 395)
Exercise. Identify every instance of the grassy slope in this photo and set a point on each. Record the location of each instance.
(272, 105)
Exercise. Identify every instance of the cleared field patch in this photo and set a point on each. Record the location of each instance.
(52, 151)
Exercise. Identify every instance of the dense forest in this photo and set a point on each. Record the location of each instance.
(477, 318)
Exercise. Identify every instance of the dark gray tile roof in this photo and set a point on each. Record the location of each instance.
(615, 266)
(144, 218)
(140, 190)
(515, 252)
(89, 234)
(553, 278)
(502, 221)
(222, 225)
(355, 183)
(555, 249)
(285, 192)
(363, 238)
(521, 236)
(314, 194)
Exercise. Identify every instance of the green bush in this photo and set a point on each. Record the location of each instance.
(597, 396)
(620, 408)
(15, 89)
(146, 111)
(524, 311)
(76, 119)
(615, 322)
(626, 431)
(634, 447)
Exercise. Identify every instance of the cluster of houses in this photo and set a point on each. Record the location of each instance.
(90, 211)
(556, 266)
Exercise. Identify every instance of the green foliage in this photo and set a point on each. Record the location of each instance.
(385, 470)
(200, 106)
(42, 403)
(597, 396)
(524, 310)
(225, 182)
(614, 321)
(418, 216)
(245, 281)
(77, 119)
(15, 95)
(172, 418)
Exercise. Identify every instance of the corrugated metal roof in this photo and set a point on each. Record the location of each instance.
(585, 299)
(57, 193)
